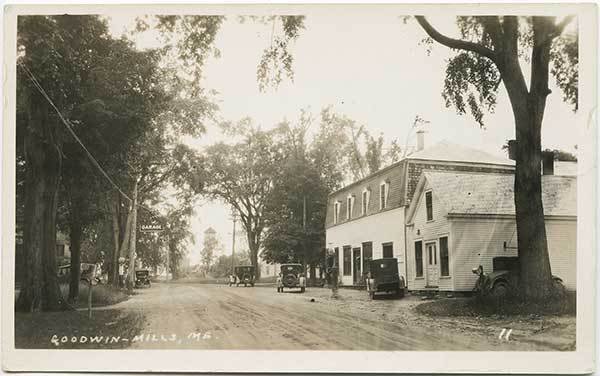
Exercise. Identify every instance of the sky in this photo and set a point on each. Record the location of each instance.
(373, 69)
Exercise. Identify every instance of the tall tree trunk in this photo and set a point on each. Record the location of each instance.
(114, 272)
(535, 273)
(40, 290)
(75, 235)
(254, 248)
(132, 236)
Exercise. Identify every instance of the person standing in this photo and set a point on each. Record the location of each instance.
(121, 272)
(334, 281)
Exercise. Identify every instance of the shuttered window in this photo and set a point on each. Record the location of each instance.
(419, 258)
(444, 260)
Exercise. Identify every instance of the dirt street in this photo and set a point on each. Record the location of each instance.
(220, 317)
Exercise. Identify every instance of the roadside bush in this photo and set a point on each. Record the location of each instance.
(102, 295)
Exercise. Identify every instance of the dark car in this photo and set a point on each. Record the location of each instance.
(292, 276)
(245, 275)
(383, 277)
(504, 278)
(142, 278)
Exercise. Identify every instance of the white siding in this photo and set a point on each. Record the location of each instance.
(384, 227)
(477, 241)
(562, 247)
(427, 231)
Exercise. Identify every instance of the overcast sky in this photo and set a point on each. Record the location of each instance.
(369, 68)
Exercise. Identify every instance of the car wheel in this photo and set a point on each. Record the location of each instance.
(559, 287)
(500, 290)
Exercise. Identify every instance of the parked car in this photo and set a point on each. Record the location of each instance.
(292, 276)
(245, 275)
(504, 278)
(383, 277)
(142, 278)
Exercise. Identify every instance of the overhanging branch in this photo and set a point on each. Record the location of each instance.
(454, 43)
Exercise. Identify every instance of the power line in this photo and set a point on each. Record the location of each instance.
(70, 129)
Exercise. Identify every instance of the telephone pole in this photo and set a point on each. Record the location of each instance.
(234, 218)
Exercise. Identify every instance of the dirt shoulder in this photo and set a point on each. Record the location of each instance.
(107, 329)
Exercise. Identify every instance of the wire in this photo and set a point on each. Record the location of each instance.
(70, 129)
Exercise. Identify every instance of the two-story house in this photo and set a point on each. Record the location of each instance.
(366, 219)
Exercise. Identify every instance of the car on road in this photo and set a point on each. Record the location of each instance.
(245, 275)
(292, 276)
(504, 278)
(142, 278)
(383, 277)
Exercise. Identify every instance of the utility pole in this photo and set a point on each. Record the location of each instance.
(234, 217)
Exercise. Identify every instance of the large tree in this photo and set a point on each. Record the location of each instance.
(241, 174)
(296, 206)
(55, 58)
(492, 50)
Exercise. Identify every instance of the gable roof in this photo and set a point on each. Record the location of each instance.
(447, 151)
(493, 194)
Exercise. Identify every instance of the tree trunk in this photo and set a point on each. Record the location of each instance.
(132, 236)
(535, 270)
(75, 234)
(40, 290)
(254, 248)
(114, 272)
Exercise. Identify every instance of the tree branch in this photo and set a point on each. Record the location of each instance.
(455, 43)
(560, 27)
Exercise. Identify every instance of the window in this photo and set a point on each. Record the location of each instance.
(444, 265)
(388, 250)
(60, 250)
(365, 201)
(383, 192)
(347, 261)
(367, 250)
(349, 207)
(336, 212)
(429, 205)
(419, 258)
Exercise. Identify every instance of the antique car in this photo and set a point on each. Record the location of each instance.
(383, 277)
(291, 276)
(245, 275)
(504, 278)
(142, 278)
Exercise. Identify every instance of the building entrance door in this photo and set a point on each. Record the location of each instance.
(356, 275)
(433, 270)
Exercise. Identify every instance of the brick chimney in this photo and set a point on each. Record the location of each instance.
(512, 149)
(420, 140)
(547, 162)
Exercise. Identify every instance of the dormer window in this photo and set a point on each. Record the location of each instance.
(349, 207)
(366, 197)
(384, 188)
(336, 212)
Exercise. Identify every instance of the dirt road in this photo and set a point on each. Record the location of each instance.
(219, 317)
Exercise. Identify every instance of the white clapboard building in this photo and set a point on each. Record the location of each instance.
(366, 219)
(458, 221)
